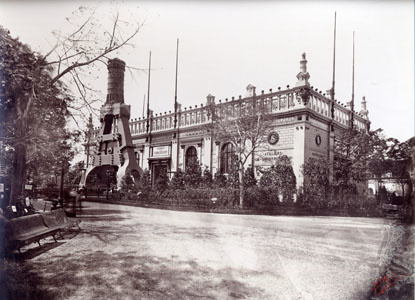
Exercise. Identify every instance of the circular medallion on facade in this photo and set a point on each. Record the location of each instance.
(273, 138)
(318, 140)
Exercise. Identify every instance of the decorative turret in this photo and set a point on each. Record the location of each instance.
(250, 90)
(210, 100)
(364, 112)
(303, 76)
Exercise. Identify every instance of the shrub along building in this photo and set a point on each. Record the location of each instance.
(304, 123)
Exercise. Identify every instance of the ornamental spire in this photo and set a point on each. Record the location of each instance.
(303, 76)
(364, 112)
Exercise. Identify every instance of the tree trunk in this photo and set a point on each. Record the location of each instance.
(241, 186)
(19, 164)
(19, 173)
(403, 189)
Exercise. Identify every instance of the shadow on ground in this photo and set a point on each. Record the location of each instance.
(18, 279)
(97, 215)
(122, 275)
(100, 212)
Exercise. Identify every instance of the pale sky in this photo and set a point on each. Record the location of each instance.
(224, 46)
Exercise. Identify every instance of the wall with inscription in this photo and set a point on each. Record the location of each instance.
(192, 134)
(286, 137)
(317, 140)
(267, 158)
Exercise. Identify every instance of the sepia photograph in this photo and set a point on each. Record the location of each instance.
(207, 150)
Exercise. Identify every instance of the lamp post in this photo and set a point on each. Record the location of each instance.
(65, 149)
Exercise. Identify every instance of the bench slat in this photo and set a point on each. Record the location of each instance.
(30, 223)
(26, 230)
(58, 218)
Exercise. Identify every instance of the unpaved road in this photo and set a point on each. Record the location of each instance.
(138, 253)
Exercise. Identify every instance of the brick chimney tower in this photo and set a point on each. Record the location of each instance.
(115, 90)
(114, 153)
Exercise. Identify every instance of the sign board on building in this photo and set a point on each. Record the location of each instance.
(1, 187)
(28, 187)
(161, 151)
(266, 157)
(195, 133)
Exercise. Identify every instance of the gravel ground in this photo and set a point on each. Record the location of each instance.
(138, 253)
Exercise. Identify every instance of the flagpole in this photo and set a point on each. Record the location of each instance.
(175, 85)
(176, 108)
(334, 67)
(144, 105)
(148, 95)
(352, 102)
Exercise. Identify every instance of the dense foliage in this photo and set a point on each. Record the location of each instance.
(279, 180)
(193, 173)
(316, 187)
(32, 114)
(177, 181)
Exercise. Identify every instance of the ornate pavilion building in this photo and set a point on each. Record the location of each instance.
(305, 122)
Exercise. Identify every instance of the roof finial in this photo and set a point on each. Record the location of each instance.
(303, 76)
(364, 112)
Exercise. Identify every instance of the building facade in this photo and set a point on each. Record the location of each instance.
(305, 123)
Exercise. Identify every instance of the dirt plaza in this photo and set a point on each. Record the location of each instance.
(127, 252)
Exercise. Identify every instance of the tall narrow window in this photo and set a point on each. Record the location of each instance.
(191, 157)
(227, 158)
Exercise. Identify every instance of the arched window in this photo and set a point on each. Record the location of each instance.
(191, 156)
(227, 158)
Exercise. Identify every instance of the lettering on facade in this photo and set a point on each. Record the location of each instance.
(283, 120)
(266, 157)
(192, 133)
(161, 151)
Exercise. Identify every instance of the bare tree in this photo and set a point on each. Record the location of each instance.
(246, 126)
(38, 87)
(76, 56)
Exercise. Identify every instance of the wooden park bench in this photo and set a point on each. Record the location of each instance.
(57, 219)
(29, 229)
(25, 230)
(41, 205)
